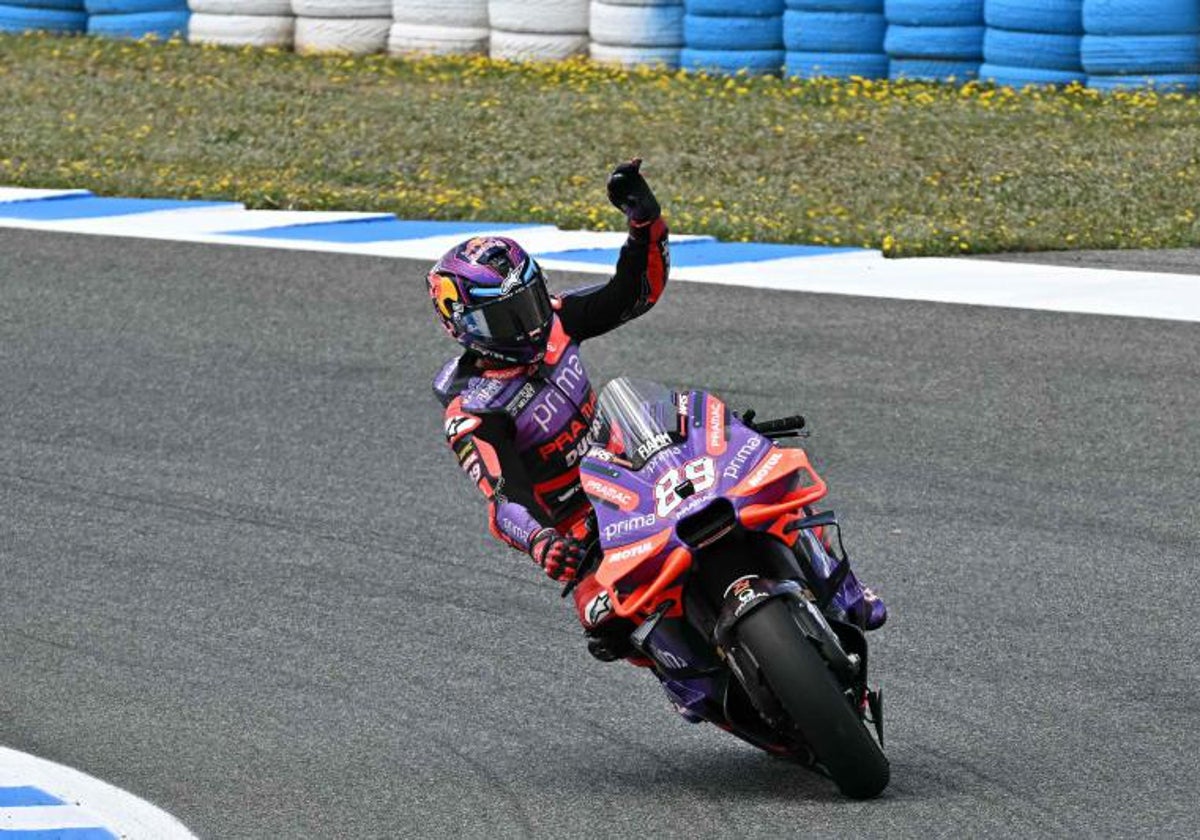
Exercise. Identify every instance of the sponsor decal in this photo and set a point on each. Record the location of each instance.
(517, 403)
(514, 529)
(446, 296)
(654, 444)
(459, 424)
(632, 552)
(484, 390)
(476, 471)
(619, 496)
(735, 466)
(762, 472)
(464, 452)
(569, 378)
(625, 526)
(511, 283)
(598, 609)
(714, 426)
(669, 659)
(684, 402)
(600, 454)
(575, 439)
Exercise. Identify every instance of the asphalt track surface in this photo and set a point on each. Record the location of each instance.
(241, 576)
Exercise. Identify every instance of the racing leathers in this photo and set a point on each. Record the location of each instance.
(520, 432)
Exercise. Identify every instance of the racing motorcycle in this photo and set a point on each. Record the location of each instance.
(698, 510)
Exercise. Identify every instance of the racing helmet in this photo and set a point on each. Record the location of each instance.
(491, 297)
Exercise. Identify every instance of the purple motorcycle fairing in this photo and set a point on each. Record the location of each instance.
(679, 435)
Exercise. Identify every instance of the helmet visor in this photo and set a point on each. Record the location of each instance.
(518, 316)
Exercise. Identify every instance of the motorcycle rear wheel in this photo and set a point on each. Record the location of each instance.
(789, 666)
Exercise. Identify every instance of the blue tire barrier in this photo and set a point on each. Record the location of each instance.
(18, 19)
(1140, 17)
(133, 7)
(835, 32)
(1020, 77)
(163, 25)
(869, 6)
(734, 8)
(1171, 83)
(1131, 55)
(930, 70)
(934, 12)
(755, 62)
(63, 5)
(813, 65)
(732, 33)
(1004, 48)
(1061, 17)
(961, 43)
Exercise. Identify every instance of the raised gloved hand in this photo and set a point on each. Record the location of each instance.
(560, 556)
(629, 193)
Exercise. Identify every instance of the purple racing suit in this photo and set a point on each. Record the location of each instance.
(519, 432)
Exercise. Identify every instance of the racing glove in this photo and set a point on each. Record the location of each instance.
(559, 556)
(629, 193)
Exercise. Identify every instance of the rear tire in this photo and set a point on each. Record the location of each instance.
(789, 666)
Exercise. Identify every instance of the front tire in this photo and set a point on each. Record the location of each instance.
(780, 657)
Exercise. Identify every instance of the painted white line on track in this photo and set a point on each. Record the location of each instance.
(87, 802)
(853, 272)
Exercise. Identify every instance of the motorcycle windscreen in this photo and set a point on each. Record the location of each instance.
(638, 418)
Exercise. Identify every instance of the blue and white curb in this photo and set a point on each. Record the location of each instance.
(41, 800)
(697, 259)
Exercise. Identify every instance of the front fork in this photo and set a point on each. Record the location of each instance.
(843, 646)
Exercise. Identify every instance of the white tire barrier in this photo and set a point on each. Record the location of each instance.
(362, 9)
(550, 17)
(535, 46)
(241, 30)
(538, 30)
(666, 57)
(468, 14)
(357, 36)
(438, 27)
(650, 33)
(411, 39)
(273, 8)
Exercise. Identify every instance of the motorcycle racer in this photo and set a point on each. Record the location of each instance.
(519, 407)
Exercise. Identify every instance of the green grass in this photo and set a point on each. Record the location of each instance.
(914, 169)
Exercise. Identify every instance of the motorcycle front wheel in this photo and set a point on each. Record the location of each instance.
(788, 665)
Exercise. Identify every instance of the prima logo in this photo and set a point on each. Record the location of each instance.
(628, 525)
(736, 464)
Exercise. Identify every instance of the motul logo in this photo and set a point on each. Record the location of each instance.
(630, 553)
(608, 492)
(761, 474)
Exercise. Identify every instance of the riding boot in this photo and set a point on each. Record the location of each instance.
(851, 600)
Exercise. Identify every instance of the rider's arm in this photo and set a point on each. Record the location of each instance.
(483, 445)
(642, 266)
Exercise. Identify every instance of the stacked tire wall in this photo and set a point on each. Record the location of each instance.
(358, 27)
(1135, 43)
(636, 32)
(1032, 42)
(835, 38)
(731, 36)
(538, 30)
(59, 16)
(934, 40)
(137, 18)
(242, 23)
(439, 27)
